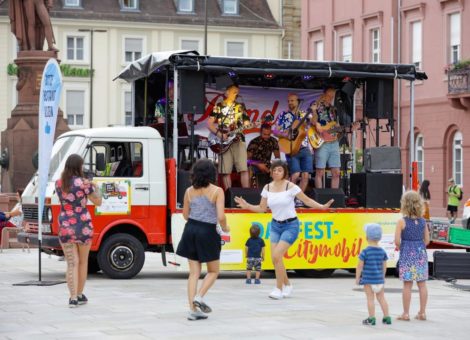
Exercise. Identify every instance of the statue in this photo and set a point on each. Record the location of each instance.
(31, 24)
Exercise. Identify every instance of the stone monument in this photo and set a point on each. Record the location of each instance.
(31, 25)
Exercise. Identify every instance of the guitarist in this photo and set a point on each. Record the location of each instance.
(300, 164)
(231, 114)
(324, 118)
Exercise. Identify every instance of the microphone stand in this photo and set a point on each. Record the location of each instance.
(191, 142)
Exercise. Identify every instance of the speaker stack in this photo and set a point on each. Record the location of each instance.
(324, 195)
(192, 84)
(379, 99)
(251, 195)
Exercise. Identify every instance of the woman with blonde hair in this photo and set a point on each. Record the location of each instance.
(412, 237)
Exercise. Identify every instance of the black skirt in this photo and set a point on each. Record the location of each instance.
(200, 242)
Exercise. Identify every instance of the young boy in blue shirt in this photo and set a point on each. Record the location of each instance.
(254, 253)
(370, 272)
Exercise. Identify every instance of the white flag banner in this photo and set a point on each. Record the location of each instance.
(49, 98)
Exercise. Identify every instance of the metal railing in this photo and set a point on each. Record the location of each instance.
(459, 81)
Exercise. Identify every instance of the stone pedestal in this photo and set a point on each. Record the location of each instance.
(20, 139)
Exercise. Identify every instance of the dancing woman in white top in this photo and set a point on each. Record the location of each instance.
(279, 196)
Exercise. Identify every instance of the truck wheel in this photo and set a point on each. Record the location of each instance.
(93, 266)
(121, 256)
(315, 273)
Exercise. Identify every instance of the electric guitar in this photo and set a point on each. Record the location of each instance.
(219, 146)
(314, 137)
(291, 146)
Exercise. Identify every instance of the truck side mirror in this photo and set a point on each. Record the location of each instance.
(100, 162)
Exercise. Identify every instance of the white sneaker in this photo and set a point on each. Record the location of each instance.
(276, 294)
(287, 290)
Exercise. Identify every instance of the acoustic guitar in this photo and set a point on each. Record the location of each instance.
(291, 146)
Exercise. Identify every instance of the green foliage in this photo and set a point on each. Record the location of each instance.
(67, 71)
(12, 70)
(358, 160)
(462, 64)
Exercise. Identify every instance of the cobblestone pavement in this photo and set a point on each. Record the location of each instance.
(153, 306)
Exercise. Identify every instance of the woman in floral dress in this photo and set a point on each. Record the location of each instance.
(75, 227)
(412, 236)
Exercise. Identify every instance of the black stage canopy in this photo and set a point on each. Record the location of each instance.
(190, 60)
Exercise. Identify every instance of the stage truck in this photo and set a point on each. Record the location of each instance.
(142, 171)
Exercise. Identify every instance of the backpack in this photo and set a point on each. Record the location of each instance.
(461, 192)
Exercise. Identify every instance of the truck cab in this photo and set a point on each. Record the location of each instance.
(128, 165)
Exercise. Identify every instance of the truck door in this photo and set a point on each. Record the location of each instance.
(122, 176)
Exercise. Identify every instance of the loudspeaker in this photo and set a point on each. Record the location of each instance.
(382, 159)
(376, 190)
(324, 195)
(251, 195)
(379, 99)
(451, 265)
(191, 84)
(183, 182)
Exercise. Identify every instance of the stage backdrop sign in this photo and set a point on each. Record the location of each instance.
(259, 102)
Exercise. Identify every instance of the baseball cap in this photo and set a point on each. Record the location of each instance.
(373, 231)
(451, 180)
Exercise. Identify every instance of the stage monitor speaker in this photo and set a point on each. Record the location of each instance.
(183, 182)
(379, 99)
(383, 159)
(376, 190)
(324, 195)
(192, 85)
(251, 195)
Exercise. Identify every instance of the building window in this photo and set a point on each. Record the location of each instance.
(75, 107)
(128, 108)
(416, 44)
(454, 30)
(129, 5)
(185, 5)
(346, 48)
(72, 3)
(235, 49)
(375, 45)
(419, 157)
(230, 7)
(75, 48)
(190, 45)
(132, 49)
(318, 50)
(457, 159)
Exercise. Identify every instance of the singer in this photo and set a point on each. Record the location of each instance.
(227, 116)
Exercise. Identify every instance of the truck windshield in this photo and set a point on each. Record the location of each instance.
(62, 148)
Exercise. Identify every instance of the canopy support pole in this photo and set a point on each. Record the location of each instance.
(412, 130)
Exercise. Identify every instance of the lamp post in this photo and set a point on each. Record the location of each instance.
(91, 31)
(205, 27)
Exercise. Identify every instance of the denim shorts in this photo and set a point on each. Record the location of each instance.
(302, 162)
(328, 153)
(287, 232)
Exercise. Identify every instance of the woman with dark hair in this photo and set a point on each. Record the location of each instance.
(203, 208)
(75, 227)
(279, 196)
(11, 219)
(426, 197)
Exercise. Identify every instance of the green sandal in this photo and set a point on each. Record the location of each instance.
(369, 321)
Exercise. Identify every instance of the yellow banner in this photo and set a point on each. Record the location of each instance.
(326, 240)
